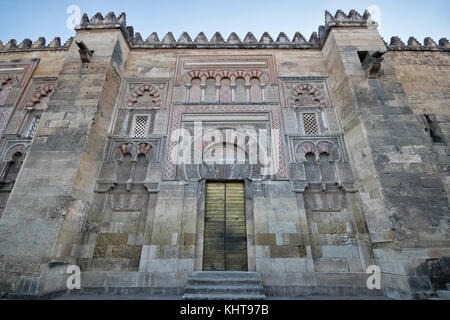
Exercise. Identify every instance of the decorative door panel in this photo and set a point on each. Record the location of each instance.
(225, 242)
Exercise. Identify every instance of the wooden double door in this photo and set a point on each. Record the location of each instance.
(225, 241)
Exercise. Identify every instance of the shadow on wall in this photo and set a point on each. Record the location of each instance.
(437, 269)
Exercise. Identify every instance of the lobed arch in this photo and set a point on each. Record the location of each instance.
(307, 147)
(135, 150)
(317, 148)
(18, 148)
(7, 78)
(232, 75)
(241, 75)
(139, 92)
(326, 147)
(313, 94)
(14, 157)
(39, 94)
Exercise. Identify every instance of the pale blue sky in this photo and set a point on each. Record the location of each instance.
(32, 19)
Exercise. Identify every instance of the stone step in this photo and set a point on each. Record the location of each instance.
(224, 286)
(223, 281)
(224, 278)
(225, 274)
(245, 289)
(443, 294)
(223, 297)
(21, 296)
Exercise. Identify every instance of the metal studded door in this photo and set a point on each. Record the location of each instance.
(225, 242)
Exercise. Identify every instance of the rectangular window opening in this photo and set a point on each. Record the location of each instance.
(310, 124)
(363, 55)
(140, 126)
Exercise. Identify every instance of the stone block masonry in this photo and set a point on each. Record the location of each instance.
(89, 171)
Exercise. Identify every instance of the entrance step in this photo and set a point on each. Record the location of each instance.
(443, 294)
(224, 286)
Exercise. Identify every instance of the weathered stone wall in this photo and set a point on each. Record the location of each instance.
(424, 77)
(161, 63)
(366, 186)
(58, 174)
(50, 62)
(394, 161)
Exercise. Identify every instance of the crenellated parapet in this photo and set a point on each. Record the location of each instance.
(39, 44)
(413, 44)
(353, 18)
(135, 39)
(200, 41)
(218, 41)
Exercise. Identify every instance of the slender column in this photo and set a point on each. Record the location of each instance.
(203, 87)
(188, 89)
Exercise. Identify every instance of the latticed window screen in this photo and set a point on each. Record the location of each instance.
(139, 128)
(310, 124)
(33, 127)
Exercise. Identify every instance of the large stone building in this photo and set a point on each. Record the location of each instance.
(311, 160)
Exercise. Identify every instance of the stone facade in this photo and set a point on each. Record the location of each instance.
(90, 171)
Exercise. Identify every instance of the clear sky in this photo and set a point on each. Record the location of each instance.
(22, 19)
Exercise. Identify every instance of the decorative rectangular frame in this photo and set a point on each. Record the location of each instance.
(176, 118)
